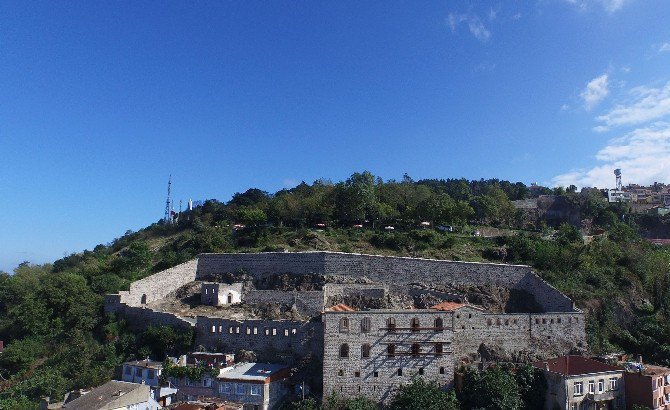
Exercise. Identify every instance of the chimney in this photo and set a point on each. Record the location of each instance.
(546, 366)
(639, 359)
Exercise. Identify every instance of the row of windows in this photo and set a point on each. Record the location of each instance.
(398, 372)
(415, 324)
(240, 389)
(139, 371)
(579, 386)
(235, 330)
(415, 350)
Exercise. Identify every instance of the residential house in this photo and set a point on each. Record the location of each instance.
(580, 383)
(115, 395)
(259, 386)
(647, 386)
(142, 371)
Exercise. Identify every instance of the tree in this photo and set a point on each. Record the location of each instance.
(422, 394)
(492, 389)
(251, 216)
(532, 386)
(337, 402)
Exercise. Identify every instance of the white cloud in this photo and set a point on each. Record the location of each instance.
(609, 5)
(665, 47)
(646, 104)
(613, 5)
(474, 23)
(642, 154)
(290, 183)
(596, 90)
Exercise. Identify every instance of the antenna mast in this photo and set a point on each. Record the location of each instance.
(168, 217)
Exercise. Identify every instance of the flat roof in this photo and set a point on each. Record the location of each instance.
(251, 371)
(149, 364)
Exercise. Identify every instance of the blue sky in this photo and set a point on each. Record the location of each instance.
(101, 101)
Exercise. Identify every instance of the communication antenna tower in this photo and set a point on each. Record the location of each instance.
(168, 216)
(617, 174)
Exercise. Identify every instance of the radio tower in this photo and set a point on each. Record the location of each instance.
(168, 217)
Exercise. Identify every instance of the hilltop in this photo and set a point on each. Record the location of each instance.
(57, 337)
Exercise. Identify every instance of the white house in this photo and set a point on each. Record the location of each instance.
(219, 294)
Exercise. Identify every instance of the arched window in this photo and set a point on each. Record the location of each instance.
(439, 324)
(415, 324)
(416, 349)
(144, 299)
(390, 350)
(365, 350)
(344, 324)
(439, 349)
(344, 350)
(390, 324)
(365, 325)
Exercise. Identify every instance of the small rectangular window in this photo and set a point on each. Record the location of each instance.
(255, 330)
(421, 371)
(129, 370)
(375, 374)
(213, 329)
(294, 331)
(220, 329)
(255, 390)
(274, 331)
(285, 332)
(357, 374)
(239, 389)
(400, 371)
(441, 370)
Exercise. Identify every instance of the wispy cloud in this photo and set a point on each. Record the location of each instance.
(290, 183)
(473, 22)
(642, 154)
(596, 90)
(664, 48)
(609, 5)
(645, 104)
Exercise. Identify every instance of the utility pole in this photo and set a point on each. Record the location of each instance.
(167, 216)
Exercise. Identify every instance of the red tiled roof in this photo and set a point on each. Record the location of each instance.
(448, 306)
(341, 307)
(572, 365)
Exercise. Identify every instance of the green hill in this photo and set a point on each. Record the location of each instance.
(57, 337)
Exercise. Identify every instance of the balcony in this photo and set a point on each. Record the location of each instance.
(603, 396)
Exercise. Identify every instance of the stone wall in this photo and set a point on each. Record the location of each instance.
(377, 376)
(158, 285)
(307, 302)
(468, 334)
(141, 317)
(274, 339)
(387, 269)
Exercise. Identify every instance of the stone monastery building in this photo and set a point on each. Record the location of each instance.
(372, 321)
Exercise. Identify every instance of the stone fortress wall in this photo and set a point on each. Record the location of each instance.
(388, 270)
(558, 330)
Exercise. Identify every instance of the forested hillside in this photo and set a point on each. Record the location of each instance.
(57, 337)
